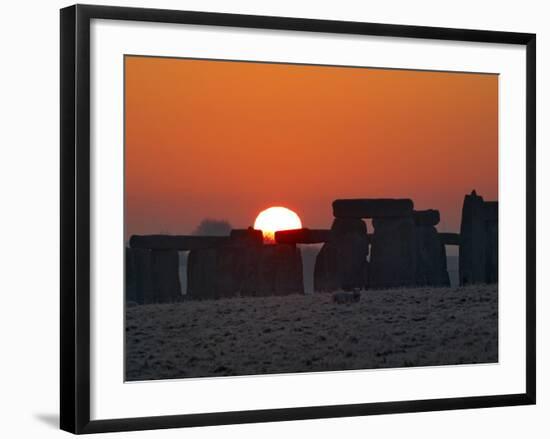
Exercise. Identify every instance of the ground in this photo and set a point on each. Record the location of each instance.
(307, 333)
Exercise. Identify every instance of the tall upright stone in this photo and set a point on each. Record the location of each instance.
(139, 276)
(491, 247)
(238, 263)
(130, 286)
(478, 254)
(280, 271)
(393, 253)
(165, 276)
(202, 274)
(431, 258)
(342, 261)
(227, 270)
(473, 245)
(244, 266)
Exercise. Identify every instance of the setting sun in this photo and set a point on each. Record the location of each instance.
(274, 219)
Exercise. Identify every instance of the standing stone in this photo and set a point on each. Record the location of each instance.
(393, 253)
(491, 243)
(130, 276)
(165, 276)
(138, 264)
(245, 267)
(202, 267)
(238, 261)
(473, 245)
(491, 262)
(342, 261)
(280, 270)
(152, 276)
(431, 258)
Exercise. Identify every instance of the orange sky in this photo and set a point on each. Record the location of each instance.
(224, 140)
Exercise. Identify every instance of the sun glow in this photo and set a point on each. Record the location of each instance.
(274, 219)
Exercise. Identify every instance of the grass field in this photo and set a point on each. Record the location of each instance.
(308, 333)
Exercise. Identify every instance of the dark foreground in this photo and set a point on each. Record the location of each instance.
(286, 334)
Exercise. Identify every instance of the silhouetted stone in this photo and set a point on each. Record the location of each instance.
(130, 276)
(393, 253)
(372, 208)
(139, 281)
(473, 240)
(491, 261)
(342, 297)
(491, 227)
(165, 276)
(279, 271)
(490, 211)
(431, 259)
(426, 217)
(244, 267)
(239, 262)
(302, 236)
(450, 238)
(342, 261)
(202, 274)
(214, 273)
(177, 242)
(246, 236)
(478, 254)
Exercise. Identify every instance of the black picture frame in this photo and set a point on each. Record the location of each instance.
(75, 217)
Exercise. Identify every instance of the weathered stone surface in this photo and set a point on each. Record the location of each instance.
(302, 236)
(177, 242)
(393, 253)
(478, 254)
(428, 217)
(450, 238)
(431, 258)
(372, 208)
(342, 261)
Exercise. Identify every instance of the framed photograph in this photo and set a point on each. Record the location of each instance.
(268, 218)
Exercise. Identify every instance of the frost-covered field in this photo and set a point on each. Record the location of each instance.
(306, 333)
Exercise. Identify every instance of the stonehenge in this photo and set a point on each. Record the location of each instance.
(217, 267)
(404, 249)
